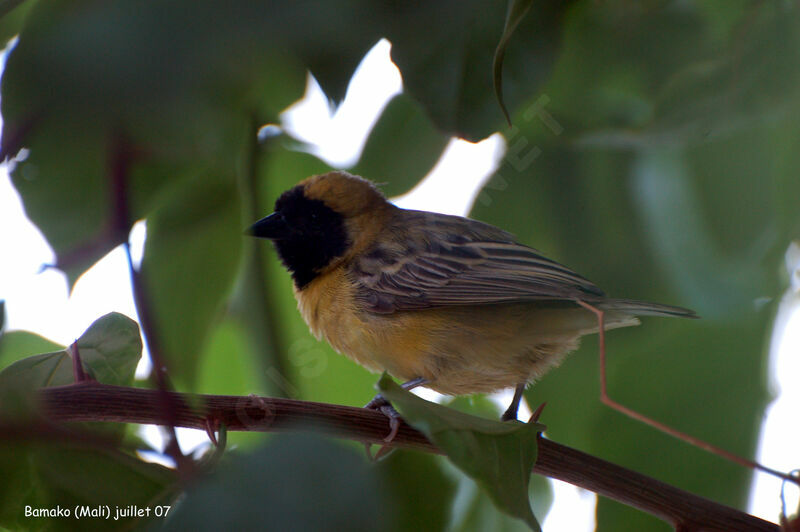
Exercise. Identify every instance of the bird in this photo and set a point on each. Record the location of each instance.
(441, 301)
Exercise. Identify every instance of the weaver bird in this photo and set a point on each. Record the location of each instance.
(442, 301)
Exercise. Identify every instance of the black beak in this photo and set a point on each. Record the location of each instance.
(273, 227)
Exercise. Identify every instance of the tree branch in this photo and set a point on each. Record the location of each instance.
(91, 401)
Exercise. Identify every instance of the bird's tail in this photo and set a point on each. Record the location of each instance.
(644, 308)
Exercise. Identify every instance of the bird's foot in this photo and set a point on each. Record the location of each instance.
(383, 406)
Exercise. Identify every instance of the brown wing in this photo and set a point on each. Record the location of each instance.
(436, 260)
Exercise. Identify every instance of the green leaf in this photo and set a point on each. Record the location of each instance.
(445, 52)
(110, 350)
(192, 253)
(6, 6)
(666, 76)
(703, 232)
(228, 365)
(109, 135)
(422, 491)
(474, 509)
(402, 147)
(516, 12)
(498, 455)
(43, 474)
(49, 476)
(333, 51)
(12, 18)
(19, 487)
(287, 474)
(20, 381)
(755, 82)
(64, 193)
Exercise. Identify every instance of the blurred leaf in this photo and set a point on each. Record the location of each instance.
(516, 12)
(51, 476)
(6, 6)
(720, 370)
(289, 474)
(755, 81)
(705, 219)
(126, 125)
(498, 455)
(711, 242)
(402, 147)
(445, 52)
(585, 209)
(16, 345)
(120, 479)
(13, 13)
(228, 365)
(421, 491)
(227, 52)
(45, 475)
(333, 51)
(20, 381)
(735, 66)
(70, 210)
(192, 253)
(19, 487)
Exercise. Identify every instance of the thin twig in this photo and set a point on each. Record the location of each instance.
(120, 160)
(663, 427)
(257, 296)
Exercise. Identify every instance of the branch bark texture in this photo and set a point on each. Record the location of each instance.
(91, 401)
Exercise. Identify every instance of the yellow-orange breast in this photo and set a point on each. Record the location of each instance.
(459, 349)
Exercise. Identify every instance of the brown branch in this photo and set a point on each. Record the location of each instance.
(91, 401)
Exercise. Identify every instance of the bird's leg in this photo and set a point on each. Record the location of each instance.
(691, 440)
(383, 406)
(511, 412)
